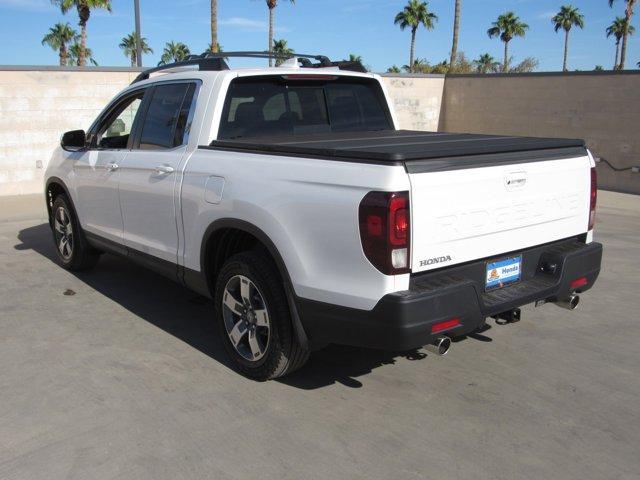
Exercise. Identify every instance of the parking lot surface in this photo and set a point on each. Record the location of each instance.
(117, 373)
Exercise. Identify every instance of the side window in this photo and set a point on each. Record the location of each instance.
(115, 131)
(165, 124)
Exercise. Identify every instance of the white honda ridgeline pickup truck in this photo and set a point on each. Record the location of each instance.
(290, 197)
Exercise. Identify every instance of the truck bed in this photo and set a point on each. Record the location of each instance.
(418, 151)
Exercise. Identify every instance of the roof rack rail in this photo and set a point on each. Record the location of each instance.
(201, 61)
(350, 65)
(217, 62)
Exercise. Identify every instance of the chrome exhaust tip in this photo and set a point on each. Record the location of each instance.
(570, 302)
(440, 346)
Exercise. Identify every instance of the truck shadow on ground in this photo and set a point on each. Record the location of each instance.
(189, 317)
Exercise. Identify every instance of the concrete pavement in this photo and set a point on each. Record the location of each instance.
(123, 377)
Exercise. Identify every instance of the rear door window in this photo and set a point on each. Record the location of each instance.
(261, 106)
(165, 124)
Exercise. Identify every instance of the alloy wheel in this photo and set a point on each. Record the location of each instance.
(246, 318)
(63, 230)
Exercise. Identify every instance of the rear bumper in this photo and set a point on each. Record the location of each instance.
(403, 320)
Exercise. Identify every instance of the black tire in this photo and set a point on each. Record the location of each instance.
(283, 352)
(77, 254)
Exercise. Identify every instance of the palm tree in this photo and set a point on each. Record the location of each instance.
(174, 52)
(486, 64)
(507, 27)
(393, 69)
(282, 51)
(414, 14)
(214, 27)
(628, 14)
(565, 19)
(456, 32)
(355, 58)
(617, 29)
(75, 52)
(212, 49)
(419, 65)
(58, 38)
(84, 8)
(272, 4)
(129, 47)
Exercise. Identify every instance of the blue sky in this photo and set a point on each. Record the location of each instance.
(332, 27)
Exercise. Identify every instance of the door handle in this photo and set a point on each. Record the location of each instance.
(164, 170)
(112, 167)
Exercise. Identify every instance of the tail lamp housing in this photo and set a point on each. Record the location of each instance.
(594, 198)
(385, 230)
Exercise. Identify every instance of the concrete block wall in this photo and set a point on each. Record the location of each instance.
(36, 107)
(417, 100)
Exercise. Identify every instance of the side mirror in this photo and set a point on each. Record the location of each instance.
(73, 140)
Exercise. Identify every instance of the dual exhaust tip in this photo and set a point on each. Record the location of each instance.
(570, 302)
(440, 346)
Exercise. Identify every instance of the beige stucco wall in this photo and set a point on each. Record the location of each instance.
(603, 109)
(36, 107)
(416, 100)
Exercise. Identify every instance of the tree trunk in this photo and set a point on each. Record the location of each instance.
(623, 50)
(82, 57)
(505, 63)
(63, 55)
(133, 59)
(214, 26)
(615, 65)
(628, 15)
(412, 50)
(456, 34)
(566, 50)
(83, 14)
(271, 20)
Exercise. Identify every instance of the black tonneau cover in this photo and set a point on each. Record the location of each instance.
(418, 151)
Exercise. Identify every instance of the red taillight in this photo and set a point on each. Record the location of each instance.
(446, 325)
(594, 198)
(578, 282)
(399, 220)
(385, 230)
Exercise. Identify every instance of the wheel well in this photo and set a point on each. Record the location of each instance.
(53, 190)
(226, 242)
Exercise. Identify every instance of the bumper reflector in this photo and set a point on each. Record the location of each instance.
(578, 282)
(446, 325)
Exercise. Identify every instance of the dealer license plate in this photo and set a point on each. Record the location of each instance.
(503, 272)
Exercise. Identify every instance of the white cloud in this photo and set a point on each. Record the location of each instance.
(248, 24)
(546, 15)
(31, 5)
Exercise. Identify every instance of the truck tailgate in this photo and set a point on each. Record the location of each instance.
(491, 208)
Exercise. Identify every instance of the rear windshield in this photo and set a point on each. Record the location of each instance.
(261, 106)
